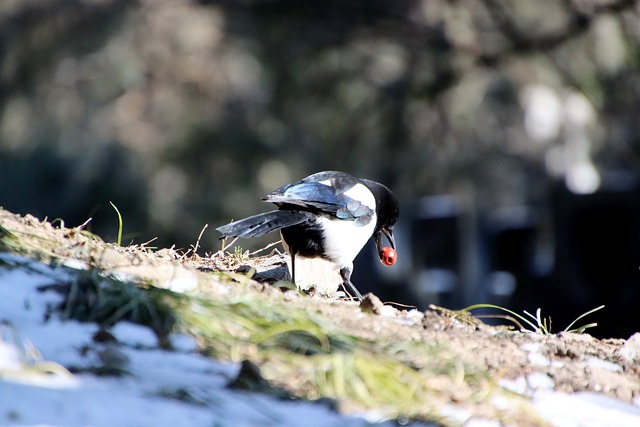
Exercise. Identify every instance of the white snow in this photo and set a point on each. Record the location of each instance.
(585, 410)
(149, 395)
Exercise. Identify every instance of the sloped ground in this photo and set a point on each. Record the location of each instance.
(438, 366)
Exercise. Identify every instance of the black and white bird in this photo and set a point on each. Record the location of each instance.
(330, 215)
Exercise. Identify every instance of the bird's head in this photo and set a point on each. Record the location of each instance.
(387, 212)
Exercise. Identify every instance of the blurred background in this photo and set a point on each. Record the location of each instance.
(509, 130)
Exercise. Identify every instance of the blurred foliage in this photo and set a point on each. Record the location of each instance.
(185, 112)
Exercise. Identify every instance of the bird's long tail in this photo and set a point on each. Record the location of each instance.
(258, 225)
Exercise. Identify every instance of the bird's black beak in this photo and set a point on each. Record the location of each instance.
(378, 239)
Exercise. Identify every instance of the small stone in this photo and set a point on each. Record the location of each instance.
(372, 304)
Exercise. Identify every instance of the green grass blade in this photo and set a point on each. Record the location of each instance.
(497, 307)
(582, 328)
(119, 224)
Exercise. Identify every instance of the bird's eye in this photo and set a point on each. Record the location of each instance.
(388, 256)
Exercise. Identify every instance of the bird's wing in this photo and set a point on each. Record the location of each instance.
(258, 225)
(324, 192)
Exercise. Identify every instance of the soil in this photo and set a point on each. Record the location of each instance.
(522, 361)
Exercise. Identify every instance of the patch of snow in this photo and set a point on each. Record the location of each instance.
(183, 281)
(415, 316)
(531, 347)
(121, 276)
(75, 264)
(518, 386)
(475, 422)
(158, 387)
(594, 362)
(457, 415)
(540, 381)
(525, 385)
(534, 356)
(538, 359)
(388, 311)
(184, 343)
(134, 335)
(585, 410)
(630, 351)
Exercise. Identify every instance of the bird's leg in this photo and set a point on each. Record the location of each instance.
(345, 273)
(293, 267)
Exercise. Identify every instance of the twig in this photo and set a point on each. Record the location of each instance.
(221, 251)
(148, 241)
(195, 248)
(265, 248)
(398, 304)
(84, 224)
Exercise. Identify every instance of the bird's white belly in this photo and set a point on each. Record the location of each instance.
(343, 240)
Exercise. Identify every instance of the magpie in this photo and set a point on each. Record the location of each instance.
(329, 215)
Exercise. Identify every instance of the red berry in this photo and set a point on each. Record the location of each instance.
(388, 256)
